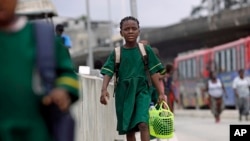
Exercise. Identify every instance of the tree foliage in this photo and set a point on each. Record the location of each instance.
(214, 6)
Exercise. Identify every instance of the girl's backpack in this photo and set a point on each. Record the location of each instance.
(144, 58)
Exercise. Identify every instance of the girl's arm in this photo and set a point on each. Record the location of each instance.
(106, 80)
(104, 91)
(155, 78)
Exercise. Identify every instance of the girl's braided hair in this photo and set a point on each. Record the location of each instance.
(129, 18)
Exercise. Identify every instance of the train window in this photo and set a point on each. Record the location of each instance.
(188, 64)
(222, 61)
(242, 56)
(190, 68)
(194, 70)
(233, 59)
(228, 60)
(180, 74)
(185, 69)
(182, 69)
(201, 66)
(198, 67)
(217, 60)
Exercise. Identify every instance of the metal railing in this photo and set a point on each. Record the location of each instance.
(94, 121)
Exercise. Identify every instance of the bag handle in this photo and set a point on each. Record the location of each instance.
(161, 106)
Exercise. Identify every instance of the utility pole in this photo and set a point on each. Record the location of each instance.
(90, 51)
(210, 5)
(133, 9)
(110, 25)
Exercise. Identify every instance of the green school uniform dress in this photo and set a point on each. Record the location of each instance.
(20, 117)
(132, 94)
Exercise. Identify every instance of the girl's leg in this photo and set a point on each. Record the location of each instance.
(131, 136)
(143, 127)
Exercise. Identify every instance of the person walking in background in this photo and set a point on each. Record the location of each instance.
(169, 87)
(65, 39)
(98, 66)
(20, 101)
(215, 90)
(132, 94)
(241, 89)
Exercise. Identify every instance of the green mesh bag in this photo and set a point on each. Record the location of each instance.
(161, 122)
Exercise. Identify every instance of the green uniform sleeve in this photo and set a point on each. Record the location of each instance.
(154, 63)
(66, 76)
(109, 65)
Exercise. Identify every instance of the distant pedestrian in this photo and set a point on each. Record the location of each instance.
(65, 39)
(241, 86)
(169, 87)
(132, 94)
(216, 90)
(98, 66)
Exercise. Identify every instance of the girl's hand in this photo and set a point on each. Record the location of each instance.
(104, 97)
(162, 97)
(59, 97)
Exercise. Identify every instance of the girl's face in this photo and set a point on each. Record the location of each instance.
(130, 30)
(7, 11)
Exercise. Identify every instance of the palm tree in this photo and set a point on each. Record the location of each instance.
(228, 4)
(216, 6)
(198, 9)
(212, 6)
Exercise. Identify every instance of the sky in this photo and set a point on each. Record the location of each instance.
(150, 13)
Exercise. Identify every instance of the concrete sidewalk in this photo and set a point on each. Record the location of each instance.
(196, 113)
(205, 113)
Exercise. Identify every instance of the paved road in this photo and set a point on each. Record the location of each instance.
(203, 129)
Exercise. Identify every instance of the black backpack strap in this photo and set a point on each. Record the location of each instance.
(145, 61)
(45, 53)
